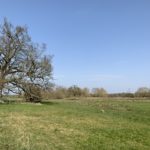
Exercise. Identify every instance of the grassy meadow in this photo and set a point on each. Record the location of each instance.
(85, 124)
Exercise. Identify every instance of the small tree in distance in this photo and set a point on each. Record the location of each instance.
(74, 91)
(143, 92)
(99, 92)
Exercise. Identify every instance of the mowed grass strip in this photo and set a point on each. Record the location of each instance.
(76, 124)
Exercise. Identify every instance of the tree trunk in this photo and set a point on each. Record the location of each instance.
(1, 89)
(1, 85)
(1, 93)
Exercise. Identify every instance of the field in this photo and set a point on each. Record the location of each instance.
(86, 124)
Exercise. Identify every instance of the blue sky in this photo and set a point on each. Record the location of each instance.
(95, 43)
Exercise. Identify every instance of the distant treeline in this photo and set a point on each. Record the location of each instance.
(75, 91)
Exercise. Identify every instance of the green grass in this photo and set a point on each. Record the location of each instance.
(76, 125)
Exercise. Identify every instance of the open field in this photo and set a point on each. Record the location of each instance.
(76, 124)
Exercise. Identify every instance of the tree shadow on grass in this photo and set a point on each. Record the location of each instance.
(7, 101)
(49, 103)
(13, 101)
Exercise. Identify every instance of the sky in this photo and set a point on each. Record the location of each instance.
(95, 43)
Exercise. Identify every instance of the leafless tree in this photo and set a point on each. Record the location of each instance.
(22, 63)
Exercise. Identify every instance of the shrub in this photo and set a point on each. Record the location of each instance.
(33, 94)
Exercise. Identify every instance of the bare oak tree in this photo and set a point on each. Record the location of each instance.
(23, 67)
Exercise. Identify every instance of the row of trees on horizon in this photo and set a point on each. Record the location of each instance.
(60, 92)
